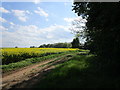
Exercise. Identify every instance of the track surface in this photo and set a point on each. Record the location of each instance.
(26, 77)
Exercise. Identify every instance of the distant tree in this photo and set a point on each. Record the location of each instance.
(75, 43)
(16, 47)
(32, 46)
(69, 45)
(56, 45)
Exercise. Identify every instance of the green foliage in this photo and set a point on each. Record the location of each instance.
(75, 43)
(32, 47)
(16, 58)
(56, 45)
(103, 27)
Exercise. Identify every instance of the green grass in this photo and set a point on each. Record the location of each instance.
(26, 62)
(65, 74)
(82, 71)
(51, 62)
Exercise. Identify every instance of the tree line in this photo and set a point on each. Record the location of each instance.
(102, 32)
(103, 27)
(74, 44)
(56, 45)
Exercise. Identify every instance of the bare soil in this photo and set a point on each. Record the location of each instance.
(26, 77)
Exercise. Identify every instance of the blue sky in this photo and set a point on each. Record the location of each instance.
(25, 24)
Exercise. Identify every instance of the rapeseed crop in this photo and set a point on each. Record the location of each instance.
(11, 55)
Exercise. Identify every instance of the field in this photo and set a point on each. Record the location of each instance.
(17, 61)
(12, 55)
(14, 58)
(57, 68)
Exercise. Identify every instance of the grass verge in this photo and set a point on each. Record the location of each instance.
(81, 71)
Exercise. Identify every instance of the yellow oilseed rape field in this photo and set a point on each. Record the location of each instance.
(11, 55)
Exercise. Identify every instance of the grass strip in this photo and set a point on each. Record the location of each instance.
(50, 62)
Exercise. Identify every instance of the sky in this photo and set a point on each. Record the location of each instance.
(25, 24)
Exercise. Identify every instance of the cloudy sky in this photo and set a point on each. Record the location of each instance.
(25, 24)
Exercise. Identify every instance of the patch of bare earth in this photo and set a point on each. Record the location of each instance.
(28, 76)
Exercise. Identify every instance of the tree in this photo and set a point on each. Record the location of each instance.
(103, 27)
(32, 46)
(56, 45)
(75, 43)
(16, 47)
(77, 28)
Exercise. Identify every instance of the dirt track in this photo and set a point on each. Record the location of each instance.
(28, 76)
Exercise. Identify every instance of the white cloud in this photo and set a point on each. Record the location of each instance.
(28, 12)
(3, 28)
(3, 10)
(37, 1)
(68, 19)
(47, 19)
(11, 23)
(25, 36)
(24, 19)
(2, 20)
(49, 36)
(21, 14)
(55, 27)
(41, 12)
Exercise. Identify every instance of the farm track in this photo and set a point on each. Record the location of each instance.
(28, 76)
